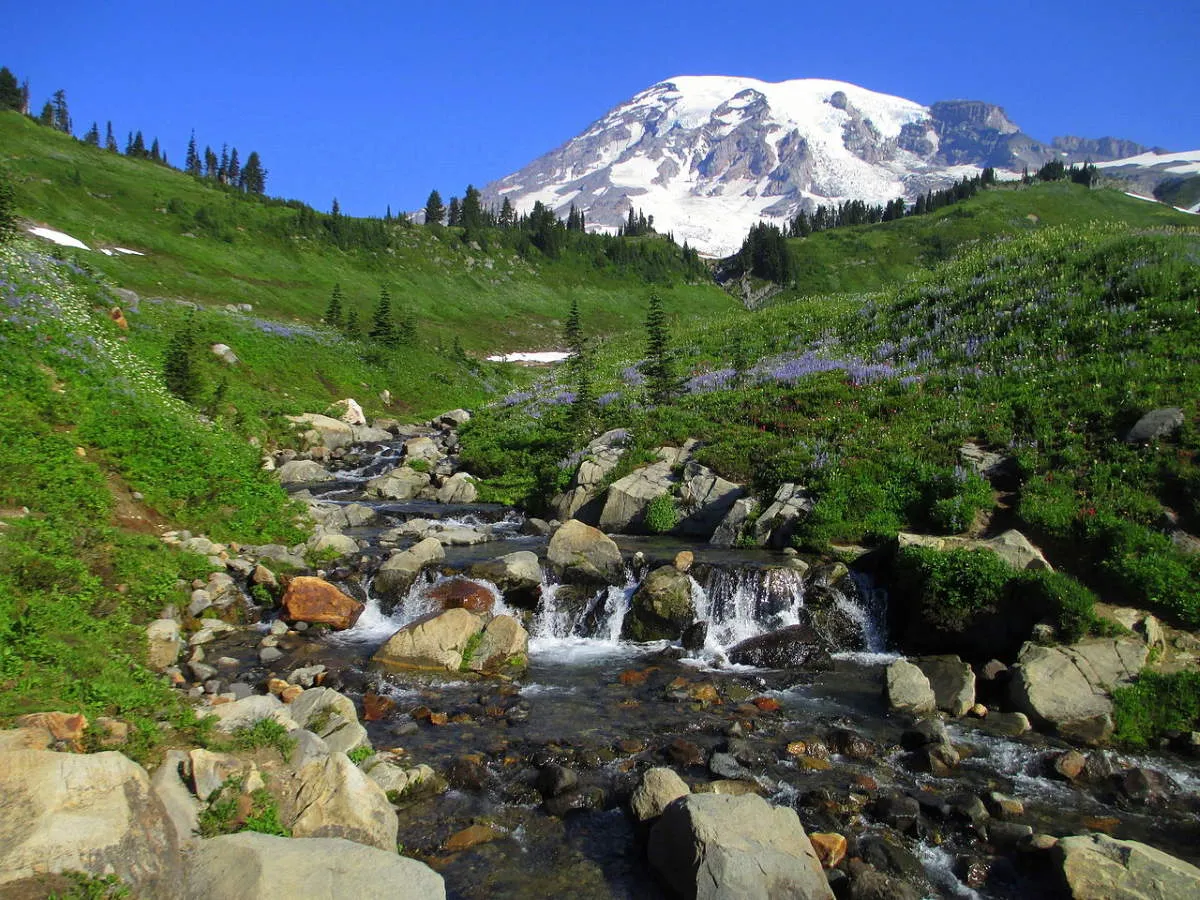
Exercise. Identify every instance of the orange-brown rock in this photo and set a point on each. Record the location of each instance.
(705, 692)
(276, 686)
(119, 317)
(316, 601)
(65, 727)
(814, 763)
(462, 593)
(797, 748)
(632, 676)
(1107, 824)
(766, 704)
(631, 745)
(471, 836)
(830, 847)
(438, 718)
(376, 707)
(290, 693)
(684, 560)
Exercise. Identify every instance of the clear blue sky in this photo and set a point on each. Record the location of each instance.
(376, 103)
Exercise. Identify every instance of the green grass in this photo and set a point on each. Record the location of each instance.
(220, 816)
(1154, 707)
(216, 247)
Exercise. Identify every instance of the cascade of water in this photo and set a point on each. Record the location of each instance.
(562, 613)
(742, 602)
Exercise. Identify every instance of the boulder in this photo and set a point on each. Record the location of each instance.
(422, 447)
(908, 689)
(246, 712)
(365, 434)
(394, 779)
(462, 593)
(336, 799)
(330, 716)
(253, 866)
(662, 607)
(730, 529)
(458, 488)
(169, 783)
(210, 770)
(505, 643)
(303, 471)
(453, 419)
(518, 576)
(580, 553)
(350, 412)
(95, 813)
(324, 542)
(163, 644)
(402, 483)
(1011, 546)
(717, 846)
(775, 527)
(953, 683)
(316, 601)
(599, 458)
(1157, 423)
(627, 498)
(400, 570)
(1068, 688)
(435, 642)
(658, 788)
(1098, 867)
(706, 499)
(323, 431)
(796, 646)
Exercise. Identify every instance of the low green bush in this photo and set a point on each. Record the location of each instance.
(661, 514)
(1154, 706)
(952, 586)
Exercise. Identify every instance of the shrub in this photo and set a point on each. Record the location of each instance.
(661, 514)
(952, 586)
(1067, 602)
(1155, 705)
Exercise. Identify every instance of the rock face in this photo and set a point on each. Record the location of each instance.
(458, 488)
(627, 498)
(775, 527)
(1097, 867)
(581, 553)
(435, 643)
(316, 601)
(716, 846)
(706, 498)
(94, 813)
(662, 607)
(403, 483)
(600, 457)
(797, 646)
(400, 570)
(1011, 546)
(254, 866)
(908, 689)
(729, 530)
(337, 800)
(953, 683)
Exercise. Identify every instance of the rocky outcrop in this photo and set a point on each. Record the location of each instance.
(95, 813)
(400, 570)
(332, 717)
(302, 471)
(662, 607)
(1098, 867)
(599, 458)
(337, 800)
(316, 601)
(580, 553)
(908, 689)
(458, 488)
(775, 527)
(717, 846)
(706, 499)
(323, 431)
(627, 498)
(253, 866)
(1068, 688)
(433, 643)
(729, 531)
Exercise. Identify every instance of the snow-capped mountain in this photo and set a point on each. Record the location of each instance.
(708, 156)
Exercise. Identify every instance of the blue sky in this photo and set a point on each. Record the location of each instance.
(376, 103)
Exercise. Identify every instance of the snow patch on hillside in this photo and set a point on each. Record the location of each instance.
(58, 237)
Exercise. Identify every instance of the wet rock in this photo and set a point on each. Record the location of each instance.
(468, 773)
(968, 808)
(517, 575)
(318, 602)
(830, 848)
(400, 570)
(403, 483)
(684, 753)
(775, 527)
(1002, 806)
(1070, 765)
(580, 553)
(661, 608)
(462, 593)
(868, 883)
(900, 812)
(695, 636)
(953, 683)
(1146, 787)
(725, 766)
(573, 801)
(505, 645)
(458, 488)
(924, 733)
(435, 643)
(553, 780)
(852, 745)
(658, 788)
(720, 846)
(908, 690)
(794, 647)
(1008, 835)
(1097, 867)
(887, 853)
(472, 836)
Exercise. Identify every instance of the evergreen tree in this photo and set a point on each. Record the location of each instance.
(110, 139)
(660, 379)
(454, 212)
(350, 327)
(138, 147)
(191, 163)
(93, 135)
(383, 331)
(579, 368)
(254, 176)
(156, 151)
(223, 165)
(47, 116)
(180, 371)
(335, 210)
(333, 312)
(210, 163)
(61, 118)
(234, 172)
(471, 214)
(406, 334)
(508, 218)
(10, 91)
(434, 210)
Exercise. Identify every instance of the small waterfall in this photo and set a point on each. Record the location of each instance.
(743, 602)
(567, 612)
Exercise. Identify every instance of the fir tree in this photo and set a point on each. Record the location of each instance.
(138, 147)
(180, 372)
(156, 151)
(350, 327)
(454, 212)
(47, 116)
(383, 331)
(191, 163)
(10, 91)
(61, 118)
(471, 213)
(93, 135)
(333, 312)
(660, 379)
(406, 334)
(110, 139)
(579, 368)
(234, 172)
(254, 176)
(223, 165)
(508, 218)
(434, 210)
(210, 163)
(335, 210)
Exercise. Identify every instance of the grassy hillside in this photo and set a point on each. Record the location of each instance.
(869, 257)
(213, 246)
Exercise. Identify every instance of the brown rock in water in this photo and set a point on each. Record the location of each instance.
(316, 601)
(685, 753)
(830, 847)
(376, 707)
(471, 836)
(462, 593)
(1070, 765)
(684, 560)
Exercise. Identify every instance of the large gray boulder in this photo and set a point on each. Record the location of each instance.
(95, 813)
(434, 643)
(711, 846)
(661, 608)
(908, 690)
(402, 483)
(400, 570)
(248, 711)
(253, 866)
(600, 457)
(1157, 423)
(579, 552)
(729, 531)
(505, 644)
(658, 789)
(422, 447)
(775, 527)
(1068, 689)
(163, 643)
(323, 431)
(518, 576)
(335, 799)
(706, 498)
(330, 716)
(458, 488)
(169, 783)
(302, 471)
(1098, 867)
(953, 683)
(627, 498)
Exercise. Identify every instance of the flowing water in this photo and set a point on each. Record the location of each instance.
(579, 705)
